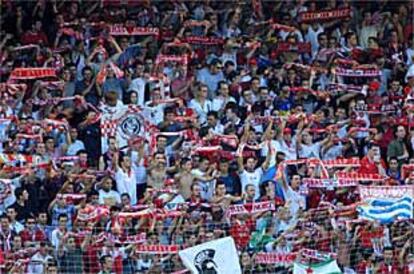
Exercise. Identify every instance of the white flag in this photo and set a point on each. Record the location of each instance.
(327, 267)
(214, 257)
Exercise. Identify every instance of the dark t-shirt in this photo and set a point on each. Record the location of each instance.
(22, 211)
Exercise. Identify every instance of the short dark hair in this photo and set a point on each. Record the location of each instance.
(220, 182)
(372, 145)
(348, 35)
(103, 258)
(169, 110)
(126, 195)
(322, 34)
(87, 68)
(213, 113)
(63, 215)
(18, 192)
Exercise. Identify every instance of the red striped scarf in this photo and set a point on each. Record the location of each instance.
(360, 176)
(5, 189)
(12, 88)
(71, 32)
(300, 47)
(120, 30)
(306, 67)
(325, 183)
(162, 58)
(202, 40)
(157, 249)
(358, 72)
(32, 73)
(317, 255)
(346, 88)
(133, 239)
(30, 46)
(326, 15)
(406, 170)
(275, 258)
(250, 208)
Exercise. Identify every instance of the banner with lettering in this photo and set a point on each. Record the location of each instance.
(396, 192)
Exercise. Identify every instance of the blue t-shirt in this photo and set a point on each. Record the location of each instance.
(269, 175)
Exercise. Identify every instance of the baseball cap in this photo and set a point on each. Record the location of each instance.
(287, 131)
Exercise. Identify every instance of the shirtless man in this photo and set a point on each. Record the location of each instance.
(185, 178)
(157, 172)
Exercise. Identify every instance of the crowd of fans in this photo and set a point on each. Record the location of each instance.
(246, 100)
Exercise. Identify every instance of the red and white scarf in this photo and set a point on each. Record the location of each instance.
(195, 23)
(370, 72)
(327, 15)
(406, 170)
(25, 47)
(12, 88)
(53, 85)
(71, 32)
(5, 189)
(120, 30)
(325, 183)
(317, 255)
(346, 88)
(202, 40)
(250, 208)
(92, 213)
(361, 177)
(133, 239)
(299, 47)
(72, 197)
(157, 249)
(162, 58)
(103, 73)
(32, 73)
(275, 258)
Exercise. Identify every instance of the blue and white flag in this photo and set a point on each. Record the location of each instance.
(387, 210)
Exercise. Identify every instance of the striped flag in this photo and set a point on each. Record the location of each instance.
(386, 210)
(327, 267)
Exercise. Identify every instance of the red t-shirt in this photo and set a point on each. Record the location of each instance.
(369, 167)
(241, 233)
(367, 235)
(91, 259)
(362, 266)
(33, 236)
(392, 269)
(34, 38)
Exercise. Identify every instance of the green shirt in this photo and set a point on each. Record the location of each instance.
(395, 149)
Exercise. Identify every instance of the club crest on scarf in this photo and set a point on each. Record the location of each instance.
(204, 262)
(131, 125)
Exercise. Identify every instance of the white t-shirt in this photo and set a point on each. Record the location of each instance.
(109, 198)
(126, 183)
(138, 85)
(253, 178)
(35, 266)
(75, 147)
(201, 110)
(219, 102)
(207, 188)
(296, 200)
(310, 151)
(333, 152)
(290, 151)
